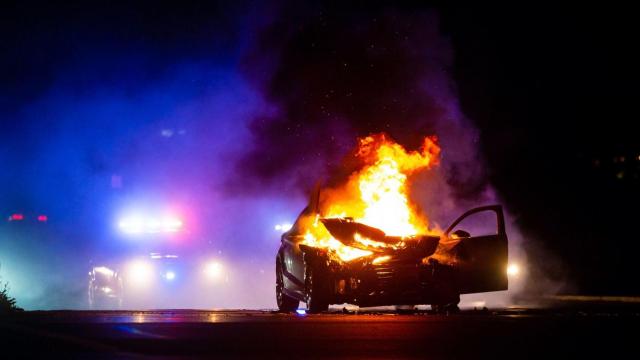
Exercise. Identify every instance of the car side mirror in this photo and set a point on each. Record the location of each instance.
(460, 234)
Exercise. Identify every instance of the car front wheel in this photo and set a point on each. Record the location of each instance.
(285, 302)
(316, 294)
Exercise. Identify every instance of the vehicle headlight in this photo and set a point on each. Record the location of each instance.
(213, 270)
(140, 273)
(513, 270)
(169, 275)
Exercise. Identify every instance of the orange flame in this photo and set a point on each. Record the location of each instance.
(376, 195)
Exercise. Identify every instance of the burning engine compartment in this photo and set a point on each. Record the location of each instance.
(366, 243)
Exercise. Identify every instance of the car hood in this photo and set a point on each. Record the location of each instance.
(345, 230)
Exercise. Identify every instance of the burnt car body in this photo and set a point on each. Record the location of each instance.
(432, 270)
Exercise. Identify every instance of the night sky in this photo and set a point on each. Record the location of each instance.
(254, 102)
(552, 90)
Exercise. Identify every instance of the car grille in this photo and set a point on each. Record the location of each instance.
(397, 273)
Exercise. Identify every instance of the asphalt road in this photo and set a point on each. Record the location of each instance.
(514, 333)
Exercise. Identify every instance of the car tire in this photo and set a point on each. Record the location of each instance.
(285, 302)
(446, 291)
(316, 293)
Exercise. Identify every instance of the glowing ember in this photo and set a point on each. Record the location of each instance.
(381, 259)
(346, 253)
(375, 195)
(372, 243)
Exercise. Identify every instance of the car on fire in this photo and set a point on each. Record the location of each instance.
(389, 270)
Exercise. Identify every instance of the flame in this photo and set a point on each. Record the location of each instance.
(381, 259)
(377, 194)
(344, 252)
(364, 241)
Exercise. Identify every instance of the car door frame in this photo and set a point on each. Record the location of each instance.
(481, 260)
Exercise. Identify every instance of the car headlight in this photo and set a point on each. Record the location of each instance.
(213, 270)
(170, 275)
(140, 273)
(513, 270)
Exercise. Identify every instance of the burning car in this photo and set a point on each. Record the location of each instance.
(373, 269)
(328, 257)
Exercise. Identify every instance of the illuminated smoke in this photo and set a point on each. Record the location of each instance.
(181, 119)
(333, 76)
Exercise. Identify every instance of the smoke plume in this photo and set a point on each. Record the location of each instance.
(333, 76)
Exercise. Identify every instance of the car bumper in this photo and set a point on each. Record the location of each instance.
(394, 282)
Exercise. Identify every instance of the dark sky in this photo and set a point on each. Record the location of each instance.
(552, 90)
(272, 95)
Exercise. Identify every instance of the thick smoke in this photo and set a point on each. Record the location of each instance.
(168, 112)
(333, 76)
(126, 94)
(162, 143)
(339, 76)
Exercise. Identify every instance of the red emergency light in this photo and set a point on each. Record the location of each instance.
(42, 218)
(16, 217)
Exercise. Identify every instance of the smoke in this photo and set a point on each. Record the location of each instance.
(233, 120)
(339, 76)
(159, 140)
(333, 76)
(343, 75)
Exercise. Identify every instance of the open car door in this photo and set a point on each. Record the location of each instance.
(482, 258)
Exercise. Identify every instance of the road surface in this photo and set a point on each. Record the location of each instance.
(515, 333)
